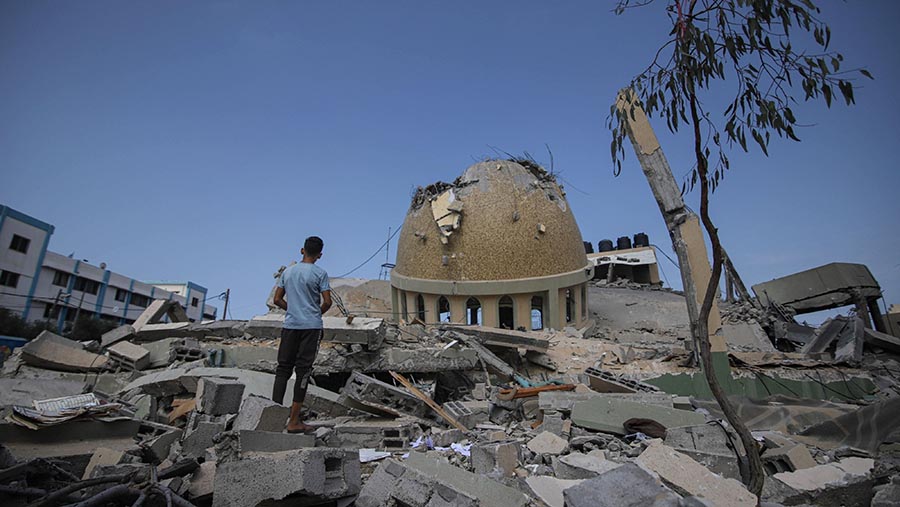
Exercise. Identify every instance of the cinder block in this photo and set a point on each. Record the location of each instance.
(219, 396)
(322, 473)
(118, 334)
(468, 413)
(261, 414)
(383, 397)
(129, 356)
(496, 459)
(787, 459)
(201, 430)
(606, 382)
(394, 483)
(380, 434)
(186, 349)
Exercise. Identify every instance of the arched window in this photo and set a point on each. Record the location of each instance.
(404, 310)
(570, 302)
(473, 312)
(443, 309)
(506, 318)
(420, 307)
(537, 313)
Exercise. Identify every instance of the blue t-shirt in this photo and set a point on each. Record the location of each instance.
(303, 285)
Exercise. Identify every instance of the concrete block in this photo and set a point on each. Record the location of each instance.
(261, 414)
(490, 493)
(548, 443)
(161, 446)
(444, 437)
(747, 335)
(496, 459)
(129, 356)
(363, 330)
(153, 332)
(550, 489)
(158, 309)
(606, 382)
(102, 456)
(186, 349)
(322, 473)
(235, 445)
(688, 477)
(53, 352)
(115, 335)
(200, 438)
(468, 413)
(609, 415)
(626, 486)
(218, 396)
(395, 483)
(380, 434)
(325, 403)
(383, 397)
(787, 459)
(506, 338)
(563, 401)
(581, 466)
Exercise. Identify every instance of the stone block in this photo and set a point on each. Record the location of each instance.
(200, 438)
(688, 477)
(129, 356)
(362, 330)
(787, 459)
(235, 445)
(53, 352)
(161, 445)
(395, 483)
(321, 473)
(581, 466)
(489, 493)
(325, 403)
(548, 443)
(443, 437)
(380, 434)
(626, 486)
(495, 459)
(261, 414)
(115, 335)
(550, 489)
(709, 445)
(609, 415)
(203, 482)
(219, 396)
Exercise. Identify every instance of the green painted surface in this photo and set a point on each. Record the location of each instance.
(763, 385)
(609, 414)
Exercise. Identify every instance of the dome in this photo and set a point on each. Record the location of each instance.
(500, 220)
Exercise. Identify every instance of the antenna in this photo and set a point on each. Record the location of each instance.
(386, 268)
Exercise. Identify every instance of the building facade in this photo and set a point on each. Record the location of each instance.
(499, 247)
(43, 285)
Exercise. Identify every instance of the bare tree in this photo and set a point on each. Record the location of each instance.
(762, 52)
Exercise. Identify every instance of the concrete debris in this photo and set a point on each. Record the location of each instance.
(553, 418)
(53, 352)
(688, 477)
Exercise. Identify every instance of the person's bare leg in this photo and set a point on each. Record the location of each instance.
(295, 425)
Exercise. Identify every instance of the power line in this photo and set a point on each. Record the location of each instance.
(371, 256)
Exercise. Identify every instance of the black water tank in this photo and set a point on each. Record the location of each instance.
(588, 247)
(623, 243)
(605, 245)
(641, 239)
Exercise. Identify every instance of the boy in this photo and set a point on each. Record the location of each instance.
(303, 283)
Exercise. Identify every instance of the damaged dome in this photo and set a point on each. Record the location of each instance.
(500, 220)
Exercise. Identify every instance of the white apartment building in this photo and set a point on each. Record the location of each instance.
(43, 285)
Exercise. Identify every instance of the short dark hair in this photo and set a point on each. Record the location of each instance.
(313, 246)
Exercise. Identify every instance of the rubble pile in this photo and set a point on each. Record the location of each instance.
(170, 412)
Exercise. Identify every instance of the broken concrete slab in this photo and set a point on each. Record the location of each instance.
(688, 477)
(203, 482)
(322, 473)
(581, 466)
(362, 330)
(563, 401)
(550, 489)
(201, 436)
(844, 482)
(219, 396)
(605, 382)
(468, 413)
(881, 340)
(261, 414)
(22, 391)
(153, 332)
(490, 493)
(238, 444)
(709, 445)
(548, 443)
(747, 335)
(129, 356)
(609, 415)
(158, 309)
(115, 335)
(496, 337)
(396, 483)
(53, 352)
(325, 403)
(626, 486)
(849, 344)
(380, 434)
(102, 456)
(160, 446)
(383, 397)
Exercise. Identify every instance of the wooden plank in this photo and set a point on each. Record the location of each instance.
(428, 401)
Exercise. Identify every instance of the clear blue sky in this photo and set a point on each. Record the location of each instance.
(205, 140)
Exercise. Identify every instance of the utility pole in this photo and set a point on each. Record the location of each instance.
(225, 311)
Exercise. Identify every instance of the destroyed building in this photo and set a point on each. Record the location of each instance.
(499, 247)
